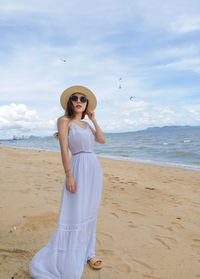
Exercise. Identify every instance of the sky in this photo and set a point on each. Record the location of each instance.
(147, 49)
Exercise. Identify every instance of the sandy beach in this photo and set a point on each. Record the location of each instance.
(148, 224)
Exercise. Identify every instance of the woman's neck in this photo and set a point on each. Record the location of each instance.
(77, 117)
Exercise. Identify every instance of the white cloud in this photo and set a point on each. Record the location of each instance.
(189, 64)
(194, 111)
(173, 15)
(185, 24)
(187, 50)
(20, 120)
(134, 116)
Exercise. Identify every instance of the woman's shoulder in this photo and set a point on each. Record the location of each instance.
(63, 118)
(63, 122)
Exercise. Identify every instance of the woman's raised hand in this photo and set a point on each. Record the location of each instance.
(90, 114)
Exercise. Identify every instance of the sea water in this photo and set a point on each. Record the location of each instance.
(170, 146)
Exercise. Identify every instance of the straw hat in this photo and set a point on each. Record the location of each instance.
(92, 101)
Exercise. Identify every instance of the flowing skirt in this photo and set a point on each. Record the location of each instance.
(73, 241)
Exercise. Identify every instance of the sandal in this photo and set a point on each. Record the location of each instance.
(92, 262)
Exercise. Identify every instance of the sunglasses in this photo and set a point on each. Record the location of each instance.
(75, 98)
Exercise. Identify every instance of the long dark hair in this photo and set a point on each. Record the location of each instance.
(71, 113)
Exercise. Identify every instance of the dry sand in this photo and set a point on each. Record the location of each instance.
(148, 224)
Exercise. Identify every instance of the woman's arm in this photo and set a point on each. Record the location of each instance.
(63, 128)
(99, 137)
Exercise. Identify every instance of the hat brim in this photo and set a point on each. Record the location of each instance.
(92, 101)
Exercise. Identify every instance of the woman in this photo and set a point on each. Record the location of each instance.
(72, 244)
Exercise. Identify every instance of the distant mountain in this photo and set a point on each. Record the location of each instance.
(165, 128)
(170, 127)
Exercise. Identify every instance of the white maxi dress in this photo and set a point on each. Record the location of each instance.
(73, 241)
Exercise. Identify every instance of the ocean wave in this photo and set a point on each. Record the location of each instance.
(140, 147)
(168, 143)
(194, 167)
(186, 141)
(182, 154)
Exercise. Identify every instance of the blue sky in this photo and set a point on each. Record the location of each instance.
(154, 46)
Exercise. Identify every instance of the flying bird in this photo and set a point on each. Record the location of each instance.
(63, 60)
(131, 98)
(120, 86)
(120, 78)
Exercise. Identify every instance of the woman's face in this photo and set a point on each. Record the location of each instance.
(78, 105)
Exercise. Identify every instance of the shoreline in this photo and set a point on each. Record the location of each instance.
(125, 159)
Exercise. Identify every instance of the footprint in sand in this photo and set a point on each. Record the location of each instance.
(167, 238)
(150, 188)
(114, 214)
(106, 252)
(116, 179)
(177, 225)
(7, 254)
(163, 227)
(116, 203)
(106, 234)
(21, 274)
(151, 276)
(30, 206)
(168, 181)
(123, 210)
(33, 223)
(51, 201)
(131, 212)
(196, 240)
(137, 213)
(143, 264)
(123, 267)
(17, 251)
(196, 243)
(25, 191)
(131, 182)
(132, 226)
